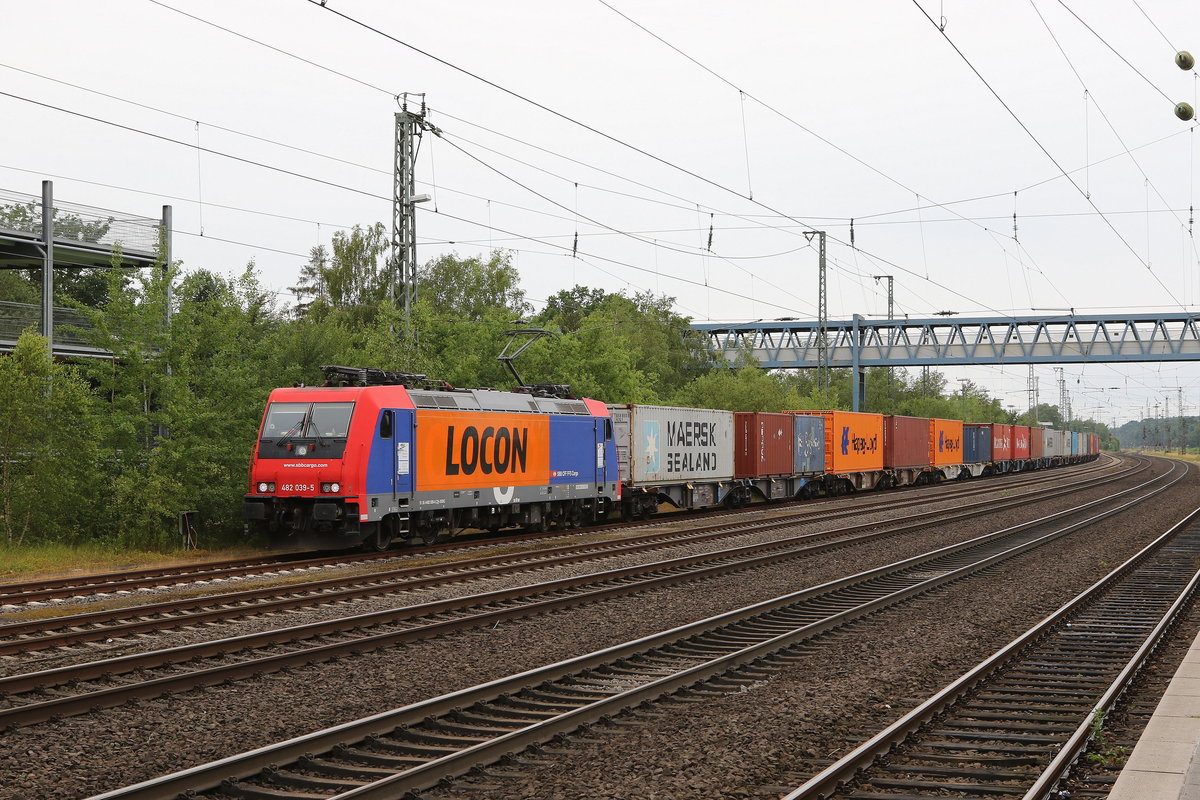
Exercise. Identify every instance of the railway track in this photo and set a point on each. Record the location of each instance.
(41, 590)
(25, 637)
(1013, 726)
(418, 746)
(88, 685)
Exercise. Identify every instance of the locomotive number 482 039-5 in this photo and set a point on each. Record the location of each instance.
(298, 487)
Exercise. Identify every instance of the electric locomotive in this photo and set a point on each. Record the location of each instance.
(375, 456)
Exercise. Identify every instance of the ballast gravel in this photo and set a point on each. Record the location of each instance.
(732, 747)
(34, 660)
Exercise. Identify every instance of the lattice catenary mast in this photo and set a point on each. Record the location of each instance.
(409, 128)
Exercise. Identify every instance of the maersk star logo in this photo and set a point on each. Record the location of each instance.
(650, 435)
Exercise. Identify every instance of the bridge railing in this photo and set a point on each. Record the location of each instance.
(16, 318)
(22, 213)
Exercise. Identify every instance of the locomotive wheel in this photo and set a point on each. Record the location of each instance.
(380, 540)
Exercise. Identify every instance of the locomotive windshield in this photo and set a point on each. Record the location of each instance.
(307, 421)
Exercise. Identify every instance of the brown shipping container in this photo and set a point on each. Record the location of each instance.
(945, 442)
(853, 440)
(905, 442)
(1002, 436)
(763, 444)
(1037, 442)
(1021, 436)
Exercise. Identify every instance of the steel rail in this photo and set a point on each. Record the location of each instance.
(24, 637)
(53, 588)
(836, 776)
(594, 678)
(610, 583)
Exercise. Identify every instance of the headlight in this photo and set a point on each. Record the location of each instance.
(331, 488)
(262, 488)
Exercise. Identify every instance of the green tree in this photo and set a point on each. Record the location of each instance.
(47, 446)
(745, 389)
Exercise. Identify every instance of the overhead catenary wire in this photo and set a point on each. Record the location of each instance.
(743, 94)
(515, 94)
(607, 136)
(197, 123)
(701, 250)
(274, 142)
(1042, 147)
(1116, 52)
(614, 261)
(205, 149)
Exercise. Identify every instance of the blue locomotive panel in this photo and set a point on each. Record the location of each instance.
(390, 458)
(577, 450)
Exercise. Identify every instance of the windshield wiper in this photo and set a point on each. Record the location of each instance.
(295, 429)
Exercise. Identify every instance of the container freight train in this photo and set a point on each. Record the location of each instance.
(375, 457)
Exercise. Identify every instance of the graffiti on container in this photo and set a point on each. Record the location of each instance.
(859, 444)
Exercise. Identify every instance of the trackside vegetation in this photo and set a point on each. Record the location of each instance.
(107, 453)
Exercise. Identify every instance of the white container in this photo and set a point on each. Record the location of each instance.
(659, 445)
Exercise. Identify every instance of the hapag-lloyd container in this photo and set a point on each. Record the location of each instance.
(905, 442)
(809, 447)
(853, 440)
(977, 442)
(1037, 442)
(1020, 441)
(945, 442)
(663, 444)
(763, 444)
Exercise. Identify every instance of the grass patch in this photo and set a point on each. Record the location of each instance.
(19, 562)
(1189, 456)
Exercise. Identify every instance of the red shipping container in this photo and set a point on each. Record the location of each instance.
(905, 441)
(1037, 443)
(763, 444)
(1002, 442)
(1020, 441)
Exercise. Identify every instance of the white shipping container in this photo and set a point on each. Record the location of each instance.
(1050, 442)
(661, 444)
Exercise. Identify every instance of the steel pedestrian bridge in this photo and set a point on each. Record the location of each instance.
(860, 343)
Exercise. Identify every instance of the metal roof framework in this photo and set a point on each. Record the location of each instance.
(80, 236)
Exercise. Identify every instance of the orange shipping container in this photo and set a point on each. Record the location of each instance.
(853, 440)
(465, 450)
(945, 442)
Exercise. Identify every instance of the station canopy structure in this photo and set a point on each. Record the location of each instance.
(83, 236)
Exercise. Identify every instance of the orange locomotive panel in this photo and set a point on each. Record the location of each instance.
(945, 442)
(853, 440)
(464, 450)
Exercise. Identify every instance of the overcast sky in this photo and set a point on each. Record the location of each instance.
(822, 112)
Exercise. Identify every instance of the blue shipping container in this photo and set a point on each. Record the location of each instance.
(1075, 443)
(809, 451)
(977, 444)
